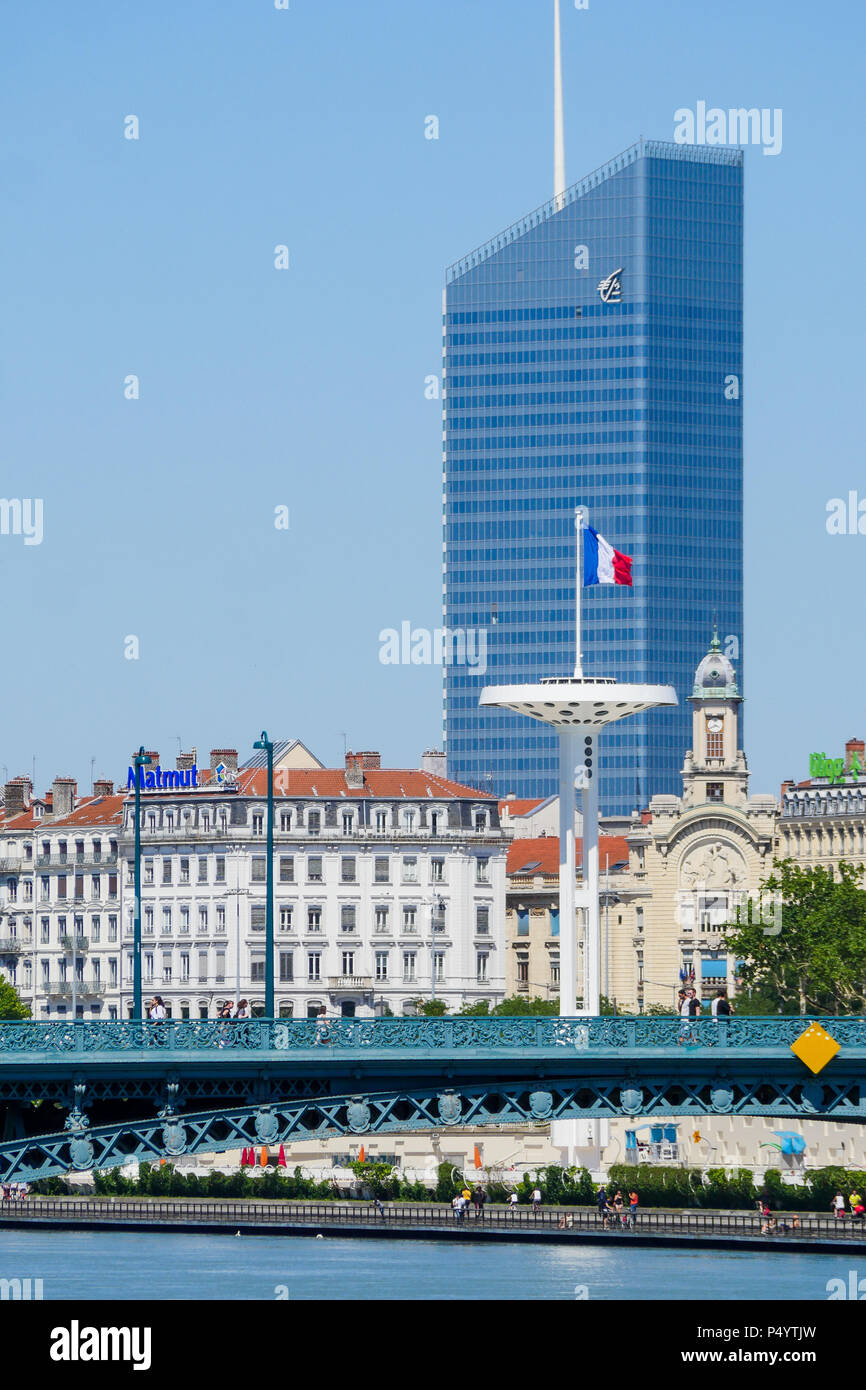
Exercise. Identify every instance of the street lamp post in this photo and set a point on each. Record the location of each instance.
(140, 760)
(265, 743)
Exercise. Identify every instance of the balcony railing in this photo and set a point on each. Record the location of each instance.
(350, 982)
(83, 988)
(74, 943)
(12, 945)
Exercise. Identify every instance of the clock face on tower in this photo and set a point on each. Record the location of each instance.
(714, 726)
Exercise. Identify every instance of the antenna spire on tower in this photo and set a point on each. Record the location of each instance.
(558, 118)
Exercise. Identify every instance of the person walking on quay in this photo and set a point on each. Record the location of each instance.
(619, 1208)
(855, 1201)
(479, 1197)
(601, 1199)
(839, 1207)
(459, 1205)
(512, 1201)
(632, 1209)
(536, 1199)
(609, 1211)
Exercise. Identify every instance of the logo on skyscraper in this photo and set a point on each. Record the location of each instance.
(611, 288)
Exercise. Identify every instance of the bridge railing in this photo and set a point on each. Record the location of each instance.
(521, 1219)
(603, 1035)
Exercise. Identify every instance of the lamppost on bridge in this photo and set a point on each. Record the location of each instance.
(139, 761)
(265, 744)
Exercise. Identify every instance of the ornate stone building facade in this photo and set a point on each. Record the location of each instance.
(692, 858)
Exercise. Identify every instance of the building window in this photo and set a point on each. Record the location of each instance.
(285, 919)
(314, 869)
(347, 870)
(314, 822)
(437, 870)
(410, 868)
(438, 966)
(220, 874)
(381, 870)
(715, 791)
(112, 926)
(287, 868)
(202, 920)
(166, 871)
(523, 970)
(148, 921)
(314, 919)
(348, 822)
(482, 921)
(202, 870)
(348, 963)
(258, 917)
(715, 739)
(554, 970)
(184, 919)
(410, 919)
(314, 965)
(202, 967)
(184, 966)
(481, 959)
(347, 919)
(409, 822)
(381, 919)
(482, 871)
(381, 822)
(287, 967)
(258, 823)
(257, 971)
(638, 919)
(166, 921)
(220, 967)
(480, 822)
(259, 870)
(184, 870)
(95, 926)
(409, 958)
(381, 965)
(285, 821)
(45, 930)
(221, 918)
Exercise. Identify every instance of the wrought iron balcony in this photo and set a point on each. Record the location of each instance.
(62, 989)
(76, 943)
(12, 945)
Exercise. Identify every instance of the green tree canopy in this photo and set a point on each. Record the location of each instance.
(11, 1006)
(816, 962)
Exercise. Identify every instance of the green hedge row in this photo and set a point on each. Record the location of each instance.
(656, 1185)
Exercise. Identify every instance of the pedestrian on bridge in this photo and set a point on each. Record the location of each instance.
(536, 1199)
(601, 1199)
(479, 1197)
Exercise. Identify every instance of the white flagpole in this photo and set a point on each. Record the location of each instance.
(581, 519)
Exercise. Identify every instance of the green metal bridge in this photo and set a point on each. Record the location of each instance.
(94, 1095)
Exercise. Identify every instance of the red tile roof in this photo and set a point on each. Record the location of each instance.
(411, 784)
(543, 854)
(516, 807)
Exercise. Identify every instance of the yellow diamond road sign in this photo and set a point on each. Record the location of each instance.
(815, 1047)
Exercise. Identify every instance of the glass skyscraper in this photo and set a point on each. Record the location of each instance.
(593, 356)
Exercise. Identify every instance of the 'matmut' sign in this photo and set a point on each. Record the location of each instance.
(834, 768)
(152, 779)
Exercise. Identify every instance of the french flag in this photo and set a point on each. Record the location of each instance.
(601, 563)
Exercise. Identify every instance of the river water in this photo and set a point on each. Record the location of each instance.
(177, 1266)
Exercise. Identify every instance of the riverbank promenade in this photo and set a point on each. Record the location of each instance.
(720, 1230)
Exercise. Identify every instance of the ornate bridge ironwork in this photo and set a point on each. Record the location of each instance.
(220, 1084)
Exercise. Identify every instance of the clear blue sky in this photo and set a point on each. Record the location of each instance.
(305, 387)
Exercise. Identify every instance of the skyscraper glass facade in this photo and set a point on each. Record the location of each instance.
(627, 402)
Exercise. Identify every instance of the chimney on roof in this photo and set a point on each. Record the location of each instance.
(370, 759)
(154, 758)
(434, 762)
(854, 746)
(786, 786)
(229, 756)
(185, 761)
(18, 793)
(63, 790)
(355, 769)
(103, 787)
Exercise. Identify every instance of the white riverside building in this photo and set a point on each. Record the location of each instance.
(389, 886)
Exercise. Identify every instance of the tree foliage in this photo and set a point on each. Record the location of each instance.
(11, 1006)
(816, 963)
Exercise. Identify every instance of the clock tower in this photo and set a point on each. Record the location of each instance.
(715, 768)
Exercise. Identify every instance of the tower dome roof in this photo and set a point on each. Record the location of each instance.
(715, 675)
